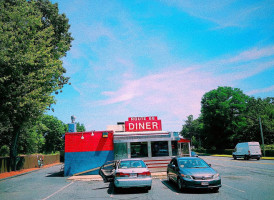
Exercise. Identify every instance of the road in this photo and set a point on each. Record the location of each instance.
(241, 179)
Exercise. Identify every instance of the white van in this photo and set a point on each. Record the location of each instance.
(247, 150)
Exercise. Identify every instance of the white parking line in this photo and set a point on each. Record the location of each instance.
(58, 191)
(233, 188)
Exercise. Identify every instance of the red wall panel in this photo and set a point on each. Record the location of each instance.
(74, 143)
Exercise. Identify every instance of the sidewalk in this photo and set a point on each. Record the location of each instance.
(23, 171)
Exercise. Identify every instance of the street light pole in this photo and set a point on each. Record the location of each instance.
(262, 135)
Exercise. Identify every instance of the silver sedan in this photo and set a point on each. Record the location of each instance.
(128, 173)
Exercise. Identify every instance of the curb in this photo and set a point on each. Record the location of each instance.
(19, 174)
(24, 173)
(229, 156)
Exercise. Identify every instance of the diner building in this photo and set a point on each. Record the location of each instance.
(143, 137)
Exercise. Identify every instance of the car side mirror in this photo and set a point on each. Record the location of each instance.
(209, 165)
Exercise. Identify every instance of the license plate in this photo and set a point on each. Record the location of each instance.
(133, 175)
(204, 183)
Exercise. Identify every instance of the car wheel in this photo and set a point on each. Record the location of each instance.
(235, 158)
(180, 184)
(116, 189)
(215, 190)
(245, 158)
(258, 158)
(168, 177)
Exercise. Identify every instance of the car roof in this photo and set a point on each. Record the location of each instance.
(128, 159)
(188, 158)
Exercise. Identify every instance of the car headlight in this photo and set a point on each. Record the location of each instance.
(215, 176)
(186, 176)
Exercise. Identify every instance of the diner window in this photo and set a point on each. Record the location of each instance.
(138, 149)
(174, 146)
(159, 148)
(120, 151)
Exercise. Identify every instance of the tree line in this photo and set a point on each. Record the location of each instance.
(47, 135)
(229, 116)
(34, 37)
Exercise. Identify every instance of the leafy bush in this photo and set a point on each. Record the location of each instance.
(4, 150)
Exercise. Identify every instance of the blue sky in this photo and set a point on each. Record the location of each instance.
(158, 58)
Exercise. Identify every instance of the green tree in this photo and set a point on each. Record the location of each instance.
(223, 111)
(263, 108)
(33, 39)
(192, 129)
(80, 127)
(53, 132)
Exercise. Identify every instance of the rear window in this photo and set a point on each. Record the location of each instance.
(191, 163)
(126, 164)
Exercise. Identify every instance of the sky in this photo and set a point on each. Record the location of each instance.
(158, 58)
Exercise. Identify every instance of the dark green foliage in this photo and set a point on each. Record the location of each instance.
(33, 38)
(223, 112)
(80, 127)
(227, 117)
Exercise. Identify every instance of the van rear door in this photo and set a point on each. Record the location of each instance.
(255, 150)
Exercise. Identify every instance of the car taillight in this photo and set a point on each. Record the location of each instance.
(249, 152)
(121, 174)
(144, 174)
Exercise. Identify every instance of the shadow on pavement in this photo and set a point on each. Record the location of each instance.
(56, 174)
(125, 190)
(173, 187)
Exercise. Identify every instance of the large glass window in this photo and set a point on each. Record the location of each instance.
(120, 151)
(159, 148)
(138, 149)
(174, 146)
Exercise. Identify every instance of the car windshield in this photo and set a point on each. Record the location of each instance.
(192, 163)
(125, 164)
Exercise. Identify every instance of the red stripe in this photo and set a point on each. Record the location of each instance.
(74, 143)
(157, 160)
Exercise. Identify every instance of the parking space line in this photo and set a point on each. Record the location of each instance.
(58, 191)
(233, 188)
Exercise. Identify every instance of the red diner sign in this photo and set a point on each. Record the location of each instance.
(136, 124)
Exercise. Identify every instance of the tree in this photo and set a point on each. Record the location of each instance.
(223, 112)
(33, 39)
(80, 127)
(53, 132)
(192, 129)
(263, 108)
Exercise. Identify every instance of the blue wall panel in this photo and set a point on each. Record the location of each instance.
(76, 162)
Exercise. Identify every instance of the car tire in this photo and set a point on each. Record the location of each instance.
(235, 158)
(116, 189)
(215, 190)
(245, 158)
(258, 158)
(180, 184)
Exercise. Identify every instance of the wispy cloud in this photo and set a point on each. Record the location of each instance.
(224, 13)
(251, 54)
(262, 90)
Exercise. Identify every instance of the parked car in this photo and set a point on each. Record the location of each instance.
(193, 172)
(247, 150)
(194, 154)
(127, 173)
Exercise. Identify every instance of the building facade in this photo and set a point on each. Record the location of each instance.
(143, 137)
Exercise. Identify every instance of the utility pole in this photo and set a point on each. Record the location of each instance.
(262, 135)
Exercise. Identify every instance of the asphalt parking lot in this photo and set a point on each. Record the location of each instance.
(241, 179)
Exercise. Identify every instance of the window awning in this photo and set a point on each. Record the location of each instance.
(182, 140)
